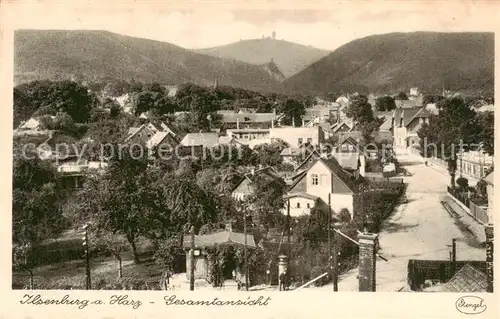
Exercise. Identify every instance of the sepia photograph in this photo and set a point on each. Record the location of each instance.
(254, 150)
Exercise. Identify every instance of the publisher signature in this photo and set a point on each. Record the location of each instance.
(470, 305)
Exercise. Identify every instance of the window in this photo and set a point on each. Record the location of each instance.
(401, 122)
(315, 179)
(308, 205)
(300, 140)
(298, 205)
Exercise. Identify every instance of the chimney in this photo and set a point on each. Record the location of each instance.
(367, 261)
(252, 171)
(489, 256)
(237, 122)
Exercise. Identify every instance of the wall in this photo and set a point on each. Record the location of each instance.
(324, 187)
(340, 201)
(201, 269)
(489, 191)
(303, 209)
(291, 135)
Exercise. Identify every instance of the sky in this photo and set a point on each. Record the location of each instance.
(199, 24)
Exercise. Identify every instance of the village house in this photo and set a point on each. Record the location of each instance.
(405, 124)
(200, 139)
(296, 155)
(474, 163)
(324, 182)
(248, 133)
(296, 136)
(351, 155)
(245, 120)
(245, 187)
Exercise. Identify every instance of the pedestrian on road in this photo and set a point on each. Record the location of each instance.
(283, 281)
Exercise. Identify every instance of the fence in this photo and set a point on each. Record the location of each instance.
(436, 270)
(477, 212)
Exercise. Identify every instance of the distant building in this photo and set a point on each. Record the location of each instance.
(325, 181)
(240, 120)
(405, 125)
(248, 133)
(200, 139)
(474, 163)
(296, 136)
(245, 187)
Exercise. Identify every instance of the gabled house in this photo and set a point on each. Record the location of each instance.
(162, 138)
(245, 187)
(341, 127)
(351, 155)
(324, 182)
(405, 124)
(141, 134)
(296, 155)
(240, 120)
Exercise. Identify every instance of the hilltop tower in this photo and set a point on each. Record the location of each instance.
(274, 35)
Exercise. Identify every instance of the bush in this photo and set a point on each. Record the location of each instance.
(463, 183)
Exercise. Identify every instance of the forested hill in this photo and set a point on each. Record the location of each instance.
(396, 61)
(100, 55)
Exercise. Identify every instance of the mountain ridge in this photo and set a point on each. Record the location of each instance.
(96, 55)
(290, 57)
(395, 61)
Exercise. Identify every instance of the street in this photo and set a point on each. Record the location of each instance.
(418, 229)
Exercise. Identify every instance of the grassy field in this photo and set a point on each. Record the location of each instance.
(60, 265)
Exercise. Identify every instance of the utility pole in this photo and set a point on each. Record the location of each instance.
(288, 226)
(88, 283)
(335, 265)
(245, 247)
(453, 254)
(330, 267)
(191, 255)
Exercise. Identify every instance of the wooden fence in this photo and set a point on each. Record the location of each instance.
(477, 212)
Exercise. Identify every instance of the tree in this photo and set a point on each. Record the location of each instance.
(36, 213)
(121, 201)
(463, 183)
(266, 202)
(269, 154)
(103, 240)
(293, 110)
(486, 122)
(453, 129)
(385, 103)
(48, 97)
(360, 110)
(401, 96)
